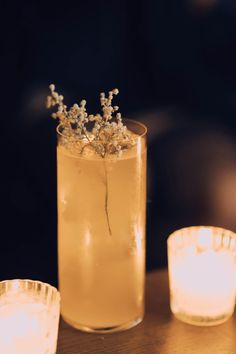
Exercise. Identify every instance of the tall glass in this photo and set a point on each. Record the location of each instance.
(101, 235)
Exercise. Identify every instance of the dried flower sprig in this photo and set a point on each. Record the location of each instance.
(72, 120)
(108, 134)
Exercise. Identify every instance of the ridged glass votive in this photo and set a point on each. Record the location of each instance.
(29, 317)
(202, 274)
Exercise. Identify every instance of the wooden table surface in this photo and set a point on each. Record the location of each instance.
(159, 333)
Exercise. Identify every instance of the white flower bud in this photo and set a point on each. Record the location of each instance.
(49, 102)
(55, 95)
(52, 87)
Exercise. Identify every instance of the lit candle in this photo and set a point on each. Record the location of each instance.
(202, 274)
(29, 317)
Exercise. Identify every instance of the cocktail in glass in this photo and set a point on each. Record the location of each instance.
(101, 234)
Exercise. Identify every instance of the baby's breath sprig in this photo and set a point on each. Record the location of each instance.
(110, 134)
(72, 121)
(107, 134)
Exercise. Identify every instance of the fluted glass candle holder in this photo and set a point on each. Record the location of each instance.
(29, 317)
(202, 274)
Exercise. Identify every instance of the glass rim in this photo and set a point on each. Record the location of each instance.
(215, 229)
(31, 281)
(143, 126)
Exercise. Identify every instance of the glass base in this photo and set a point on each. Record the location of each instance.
(118, 328)
(202, 320)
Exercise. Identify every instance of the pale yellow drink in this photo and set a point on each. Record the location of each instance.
(101, 237)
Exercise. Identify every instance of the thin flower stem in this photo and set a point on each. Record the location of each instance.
(89, 142)
(106, 199)
(86, 135)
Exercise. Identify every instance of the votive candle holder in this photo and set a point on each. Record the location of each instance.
(202, 274)
(29, 317)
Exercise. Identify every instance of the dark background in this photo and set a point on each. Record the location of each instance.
(174, 64)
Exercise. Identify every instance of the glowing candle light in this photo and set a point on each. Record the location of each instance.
(29, 316)
(202, 274)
